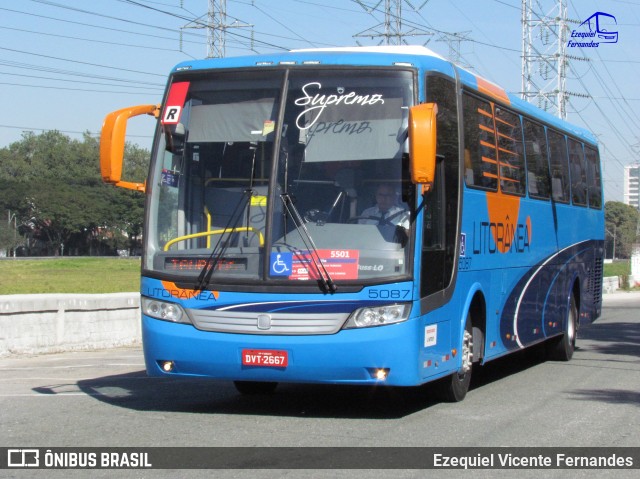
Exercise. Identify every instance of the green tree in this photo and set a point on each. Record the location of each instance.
(621, 223)
(53, 185)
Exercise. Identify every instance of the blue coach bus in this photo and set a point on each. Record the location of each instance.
(358, 216)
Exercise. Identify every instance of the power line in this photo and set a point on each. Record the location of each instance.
(436, 30)
(84, 24)
(392, 31)
(90, 39)
(58, 71)
(49, 87)
(283, 25)
(202, 24)
(101, 15)
(81, 62)
(78, 81)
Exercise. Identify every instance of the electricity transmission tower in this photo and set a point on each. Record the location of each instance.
(391, 30)
(544, 55)
(454, 41)
(217, 26)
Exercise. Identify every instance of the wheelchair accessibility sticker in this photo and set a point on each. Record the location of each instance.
(341, 264)
(281, 264)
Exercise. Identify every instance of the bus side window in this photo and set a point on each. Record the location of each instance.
(578, 173)
(559, 167)
(480, 156)
(537, 160)
(593, 178)
(510, 157)
(440, 220)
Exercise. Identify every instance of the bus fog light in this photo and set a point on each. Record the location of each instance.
(381, 374)
(378, 316)
(164, 310)
(167, 366)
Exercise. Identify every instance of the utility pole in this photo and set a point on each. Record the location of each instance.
(613, 235)
(12, 217)
(544, 55)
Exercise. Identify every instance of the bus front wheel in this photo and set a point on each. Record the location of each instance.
(454, 388)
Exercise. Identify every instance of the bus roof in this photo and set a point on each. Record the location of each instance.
(411, 55)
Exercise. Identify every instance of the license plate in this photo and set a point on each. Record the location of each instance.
(265, 357)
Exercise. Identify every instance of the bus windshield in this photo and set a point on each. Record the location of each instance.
(283, 176)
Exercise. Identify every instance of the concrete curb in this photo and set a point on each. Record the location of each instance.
(49, 323)
(52, 323)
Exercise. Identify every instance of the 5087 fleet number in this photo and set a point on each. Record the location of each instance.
(389, 293)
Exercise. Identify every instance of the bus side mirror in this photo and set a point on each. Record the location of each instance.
(422, 144)
(112, 140)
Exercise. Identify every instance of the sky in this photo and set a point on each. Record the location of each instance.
(65, 64)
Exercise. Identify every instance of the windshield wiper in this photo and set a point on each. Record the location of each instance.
(210, 265)
(324, 276)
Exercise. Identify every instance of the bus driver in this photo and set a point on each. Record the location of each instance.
(386, 209)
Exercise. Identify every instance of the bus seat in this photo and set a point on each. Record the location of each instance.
(220, 204)
(346, 179)
(557, 190)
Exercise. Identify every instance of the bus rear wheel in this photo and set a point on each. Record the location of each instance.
(454, 388)
(255, 387)
(561, 348)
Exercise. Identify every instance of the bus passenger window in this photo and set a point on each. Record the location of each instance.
(578, 173)
(535, 141)
(510, 158)
(559, 167)
(593, 178)
(481, 161)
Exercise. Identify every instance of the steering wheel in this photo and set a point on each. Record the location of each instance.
(316, 216)
(381, 221)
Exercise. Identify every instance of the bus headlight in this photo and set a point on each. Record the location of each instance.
(163, 310)
(378, 316)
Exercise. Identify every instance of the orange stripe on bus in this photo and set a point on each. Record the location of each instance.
(178, 292)
(492, 90)
(486, 128)
(508, 152)
(500, 120)
(502, 135)
(507, 165)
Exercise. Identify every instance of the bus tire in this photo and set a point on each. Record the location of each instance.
(454, 388)
(255, 387)
(561, 348)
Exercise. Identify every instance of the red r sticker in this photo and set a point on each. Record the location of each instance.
(175, 102)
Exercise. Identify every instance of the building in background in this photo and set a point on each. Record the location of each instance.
(632, 184)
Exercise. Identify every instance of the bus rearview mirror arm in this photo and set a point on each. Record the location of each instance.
(112, 140)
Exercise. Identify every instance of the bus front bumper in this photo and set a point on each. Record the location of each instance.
(367, 356)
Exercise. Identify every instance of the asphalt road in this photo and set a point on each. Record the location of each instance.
(104, 399)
